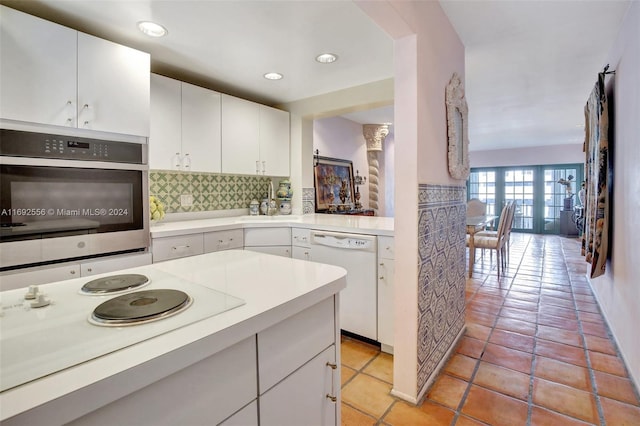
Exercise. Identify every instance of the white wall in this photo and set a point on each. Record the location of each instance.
(531, 156)
(618, 291)
(338, 137)
(427, 51)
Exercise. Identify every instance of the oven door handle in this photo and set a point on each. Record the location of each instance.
(80, 164)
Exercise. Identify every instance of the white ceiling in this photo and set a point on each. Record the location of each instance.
(530, 65)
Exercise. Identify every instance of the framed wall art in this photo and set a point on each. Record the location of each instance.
(333, 181)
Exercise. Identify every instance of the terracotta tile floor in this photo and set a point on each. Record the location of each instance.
(536, 351)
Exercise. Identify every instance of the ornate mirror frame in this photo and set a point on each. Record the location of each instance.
(457, 129)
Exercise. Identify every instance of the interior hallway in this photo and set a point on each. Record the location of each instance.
(536, 352)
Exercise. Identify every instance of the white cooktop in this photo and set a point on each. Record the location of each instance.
(36, 342)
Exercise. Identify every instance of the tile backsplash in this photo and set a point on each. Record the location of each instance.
(209, 191)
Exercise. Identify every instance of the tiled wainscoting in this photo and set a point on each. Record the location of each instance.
(441, 279)
(210, 191)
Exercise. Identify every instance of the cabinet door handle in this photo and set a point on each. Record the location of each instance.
(264, 167)
(332, 398)
(89, 270)
(332, 365)
(257, 167)
(72, 272)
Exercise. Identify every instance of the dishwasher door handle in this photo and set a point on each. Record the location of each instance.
(328, 240)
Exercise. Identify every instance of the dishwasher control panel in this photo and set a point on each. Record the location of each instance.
(344, 241)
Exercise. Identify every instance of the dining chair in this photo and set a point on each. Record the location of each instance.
(509, 224)
(475, 207)
(495, 241)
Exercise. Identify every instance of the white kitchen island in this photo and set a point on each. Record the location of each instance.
(272, 361)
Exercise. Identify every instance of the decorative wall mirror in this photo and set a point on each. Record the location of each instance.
(457, 129)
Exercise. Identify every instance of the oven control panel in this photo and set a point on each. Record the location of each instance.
(42, 145)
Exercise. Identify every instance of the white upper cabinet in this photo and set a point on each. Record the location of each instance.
(185, 126)
(165, 139)
(38, 66)
(53, 75)
(240, 136)
(255, 138)
(274, 141)
(113, 87)
(201, 133)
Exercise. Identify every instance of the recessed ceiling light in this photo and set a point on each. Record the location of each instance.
(273, 76)
(152, 29)
(326, 58)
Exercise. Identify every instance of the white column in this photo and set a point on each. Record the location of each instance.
(374, 135)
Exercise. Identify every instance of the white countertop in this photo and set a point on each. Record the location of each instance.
(274, 288)
(371, 225)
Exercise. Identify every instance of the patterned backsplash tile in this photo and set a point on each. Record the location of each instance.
(308, 200)
(210, 191)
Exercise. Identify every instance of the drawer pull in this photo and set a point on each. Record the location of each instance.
(176, 248)
(332, 365)
(332, 398)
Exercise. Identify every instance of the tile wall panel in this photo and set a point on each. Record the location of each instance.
(441, 273)
(210, 191)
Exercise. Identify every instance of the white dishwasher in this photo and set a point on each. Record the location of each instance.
(357, 254)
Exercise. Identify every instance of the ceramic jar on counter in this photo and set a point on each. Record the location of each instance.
(284, 194)
(284, 191)
(254, 207)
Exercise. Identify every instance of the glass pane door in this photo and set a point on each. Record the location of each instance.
(482, 185)
(559, 196)
(518, 186)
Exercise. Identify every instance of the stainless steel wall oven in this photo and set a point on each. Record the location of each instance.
(67, 197)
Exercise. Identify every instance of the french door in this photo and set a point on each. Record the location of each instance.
(519, 187)
(540, 193)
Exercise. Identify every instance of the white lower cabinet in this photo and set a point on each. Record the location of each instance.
(301, 243)
(248, 416)
(48, 274)
(284, 251)
(167, 248)
(205, 393)
(303, 253)
(223, 240)
(303, 377)
(386, 271)
(275, 241)
(100, 266)
(305, 397)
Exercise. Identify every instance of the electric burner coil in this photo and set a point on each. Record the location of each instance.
(140, 307)
(114, 284)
